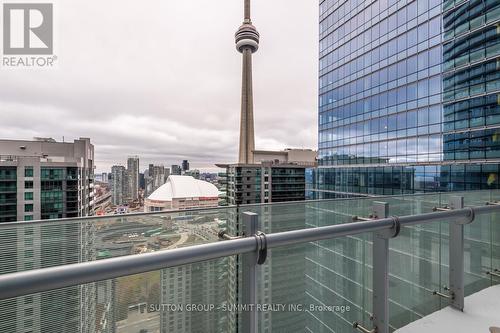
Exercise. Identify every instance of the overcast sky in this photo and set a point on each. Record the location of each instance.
(161, 79)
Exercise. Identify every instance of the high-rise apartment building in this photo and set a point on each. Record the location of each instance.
(264, 183)
(119, 185)
(185, 165)
(274, 177)
(45, 179)
(155, 177)
(175, 170)
(405, 107)
(133, 178)
(142, 181)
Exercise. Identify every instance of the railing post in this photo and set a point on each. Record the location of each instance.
(381, 273)
(249, 276)
(456, 248)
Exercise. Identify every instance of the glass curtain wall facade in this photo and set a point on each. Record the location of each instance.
(388, 75)
(471, 98)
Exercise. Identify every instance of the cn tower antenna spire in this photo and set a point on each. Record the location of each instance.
(247, 43)
(247, 10)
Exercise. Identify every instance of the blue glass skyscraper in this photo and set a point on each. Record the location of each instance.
(408, 96)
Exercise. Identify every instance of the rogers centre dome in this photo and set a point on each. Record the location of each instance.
(182, 192)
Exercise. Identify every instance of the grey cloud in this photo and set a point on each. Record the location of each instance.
(161, 79)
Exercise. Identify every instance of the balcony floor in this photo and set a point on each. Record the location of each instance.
(482, 311)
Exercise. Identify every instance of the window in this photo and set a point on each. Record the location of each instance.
(435, 55)
(393, 123)
(411, 119)
(435, 26)
(28, 184)
(423, 32)
(383, 124)
(435, 114)
(401, 121)
(28, 196)
(412, 37)
(412, 64)
(28, 208)
(411, 92)
(393, 97)
(412, 10)
(423, 6)
(28, 217)
(28, 171)
(423, 60)
(423, 89)
(401, 95)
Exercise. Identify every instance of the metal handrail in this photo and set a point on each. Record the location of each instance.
(40, 280)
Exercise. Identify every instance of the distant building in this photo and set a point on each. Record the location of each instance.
(119, 185)
(193, 173)
(182, 192)
(303, 157)
(155, 177)
(133, 178)
(104, 177)
(45, 179)
(276, 176)
(159, 176)
(142, 181)
(185, 165)
(264, 183)
(148, 182)
(209, 177)
(176, 170)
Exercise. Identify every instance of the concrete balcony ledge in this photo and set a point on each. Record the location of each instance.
(481, 315)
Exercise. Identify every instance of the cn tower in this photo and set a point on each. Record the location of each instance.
(247, 43)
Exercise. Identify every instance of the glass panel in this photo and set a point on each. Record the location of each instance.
(316, 286)
(127, 304)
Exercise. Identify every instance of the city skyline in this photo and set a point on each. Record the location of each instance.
(147, 92)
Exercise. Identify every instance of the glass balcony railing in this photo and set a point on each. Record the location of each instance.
(322, 270)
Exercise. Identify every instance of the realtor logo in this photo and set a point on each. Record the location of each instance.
(28, 29)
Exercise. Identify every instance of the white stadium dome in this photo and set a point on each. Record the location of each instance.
(182, 192)
(179, 187)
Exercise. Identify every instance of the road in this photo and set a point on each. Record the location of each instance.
(134, 324)
(182, 240)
